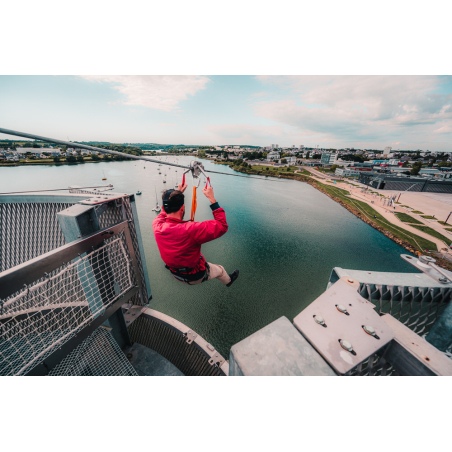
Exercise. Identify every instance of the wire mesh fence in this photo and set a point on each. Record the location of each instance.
(416, 307)
(98, 355)
(28, 230)
(44, 316)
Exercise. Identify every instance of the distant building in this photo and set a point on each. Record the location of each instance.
(289, 160)
(387, 150)
(273, 156)
(346, 172)
(37, 151)
(328, 158)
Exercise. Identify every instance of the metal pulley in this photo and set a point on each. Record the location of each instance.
(196, 169)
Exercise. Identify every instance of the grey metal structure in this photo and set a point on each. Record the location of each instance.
(72, 266)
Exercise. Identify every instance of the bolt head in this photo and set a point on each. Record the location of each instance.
(319, 319)
(369, 330)
(346, 345)
(341, 308)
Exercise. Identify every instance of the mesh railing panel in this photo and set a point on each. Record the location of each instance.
(173, 346)
(375, 365)
(28, 230)
(416, 307)
(98, 355)
(142, 297)
(46, 315)
(114, 214)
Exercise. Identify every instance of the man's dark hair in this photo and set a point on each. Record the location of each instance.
(175, 202)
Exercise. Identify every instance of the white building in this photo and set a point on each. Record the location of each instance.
(273, 156)
(37, 151)
(387, 150)
(290, 160)
(275, 146)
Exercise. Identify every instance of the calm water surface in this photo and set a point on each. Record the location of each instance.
(284, 236)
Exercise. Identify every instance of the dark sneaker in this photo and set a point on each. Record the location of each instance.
(234, 275)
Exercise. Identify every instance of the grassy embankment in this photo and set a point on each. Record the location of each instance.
(433, 233)
(407, 218)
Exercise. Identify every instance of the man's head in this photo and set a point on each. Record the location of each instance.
(173, 201)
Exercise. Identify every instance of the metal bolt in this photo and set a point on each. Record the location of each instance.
(351, 281)
(342, 308)
(347, 346)
(443, 280)
(319, 319)
(370, 331)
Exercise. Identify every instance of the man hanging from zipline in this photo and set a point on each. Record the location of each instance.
(179, 241)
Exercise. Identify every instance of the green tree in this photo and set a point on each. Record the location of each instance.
(95, 157)
(283, 161)
(80, 159)
(71, 159)
(416, 168)
(56, 159)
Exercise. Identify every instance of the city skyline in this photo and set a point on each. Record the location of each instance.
(366, 112)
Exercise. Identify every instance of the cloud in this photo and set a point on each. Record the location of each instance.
(444, 129)
(245, 133)
(167, 124)
(160, 92)
(360, 107)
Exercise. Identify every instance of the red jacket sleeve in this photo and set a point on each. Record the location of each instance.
(159, 219)
(206, 231)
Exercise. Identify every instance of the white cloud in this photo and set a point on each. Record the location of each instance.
(444, 129)
(160, 92)
(245, 133)
(360, 108)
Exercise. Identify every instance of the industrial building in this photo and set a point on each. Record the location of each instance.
(398, 182)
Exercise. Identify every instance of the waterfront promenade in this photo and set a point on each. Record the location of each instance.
(430, 204)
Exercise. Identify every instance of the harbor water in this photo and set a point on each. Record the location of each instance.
(284, 236)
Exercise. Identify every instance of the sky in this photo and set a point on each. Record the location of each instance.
(371, 112)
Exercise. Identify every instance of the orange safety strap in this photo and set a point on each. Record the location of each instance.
(194, 204)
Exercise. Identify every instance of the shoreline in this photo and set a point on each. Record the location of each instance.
(352, 209)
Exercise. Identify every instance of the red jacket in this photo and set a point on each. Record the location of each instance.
(180, 241)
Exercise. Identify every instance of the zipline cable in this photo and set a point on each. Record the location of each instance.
(58, 189)
(108, 151)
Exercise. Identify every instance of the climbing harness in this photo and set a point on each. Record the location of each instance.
(183, 274)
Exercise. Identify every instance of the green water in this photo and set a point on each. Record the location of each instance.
(284, 236)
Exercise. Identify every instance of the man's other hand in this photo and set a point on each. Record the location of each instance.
(208, 192)
(182, 187)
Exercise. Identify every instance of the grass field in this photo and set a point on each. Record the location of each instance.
(417, 211)
(433, 233)
(444, 223)
(407, 218)
(428, 217)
